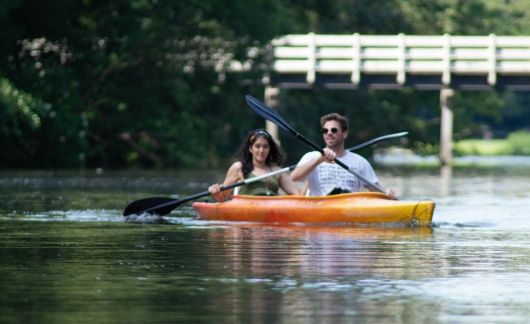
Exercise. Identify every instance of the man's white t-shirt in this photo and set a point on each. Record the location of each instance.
(327, 176)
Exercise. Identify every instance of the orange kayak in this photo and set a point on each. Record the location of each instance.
(359, 207)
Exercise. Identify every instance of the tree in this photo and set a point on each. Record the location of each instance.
(145, 83)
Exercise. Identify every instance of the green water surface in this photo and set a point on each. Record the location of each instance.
(68, 256)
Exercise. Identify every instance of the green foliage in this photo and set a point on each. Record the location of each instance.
(141, 82)
(19, 119)
(517, 143)
(520, 141)
(483, 147)
(425, 149)
(472, 110)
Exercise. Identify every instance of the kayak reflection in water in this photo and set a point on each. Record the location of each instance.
(259, 154)
(330, 178)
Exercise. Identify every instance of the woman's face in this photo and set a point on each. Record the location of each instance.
(260, 149)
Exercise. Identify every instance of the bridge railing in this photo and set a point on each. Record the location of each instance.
(402, 56)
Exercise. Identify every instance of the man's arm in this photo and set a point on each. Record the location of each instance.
(389, 192)
(303, 169)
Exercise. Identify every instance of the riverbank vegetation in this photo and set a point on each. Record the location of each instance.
(141, 83)
(517, 143)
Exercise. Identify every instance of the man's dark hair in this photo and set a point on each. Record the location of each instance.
(334, 116)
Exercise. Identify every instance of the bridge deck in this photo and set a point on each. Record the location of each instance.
(388, 62)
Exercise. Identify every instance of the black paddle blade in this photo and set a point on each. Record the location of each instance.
(155, 205)
(268, 113)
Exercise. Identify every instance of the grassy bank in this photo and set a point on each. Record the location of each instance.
(517, 143)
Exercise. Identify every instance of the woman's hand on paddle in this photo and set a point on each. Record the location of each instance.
(214, 189)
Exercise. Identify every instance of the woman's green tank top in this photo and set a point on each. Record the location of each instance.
(264, 187)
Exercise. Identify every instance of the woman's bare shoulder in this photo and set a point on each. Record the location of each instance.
(236, 165)
(236, 169)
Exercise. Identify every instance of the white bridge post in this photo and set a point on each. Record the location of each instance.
(446, 127)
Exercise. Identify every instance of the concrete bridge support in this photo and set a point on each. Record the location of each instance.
(446, 127)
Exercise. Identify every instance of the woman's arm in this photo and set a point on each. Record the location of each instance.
(233, 175)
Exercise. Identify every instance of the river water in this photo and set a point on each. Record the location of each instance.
(67, 255)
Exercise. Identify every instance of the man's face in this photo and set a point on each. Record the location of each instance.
(333, 134)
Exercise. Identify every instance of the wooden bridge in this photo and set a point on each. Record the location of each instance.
(442, 63)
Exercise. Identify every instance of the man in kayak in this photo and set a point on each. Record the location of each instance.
(329, 178)
(258, 156)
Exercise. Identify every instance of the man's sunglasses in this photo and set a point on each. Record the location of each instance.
(333, 130)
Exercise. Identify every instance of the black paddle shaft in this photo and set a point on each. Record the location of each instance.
(164, 205)
(373, 186)
(269, 114)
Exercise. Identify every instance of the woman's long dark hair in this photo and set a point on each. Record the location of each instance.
(276, 155)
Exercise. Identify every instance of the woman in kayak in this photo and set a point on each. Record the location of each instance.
(257, 156)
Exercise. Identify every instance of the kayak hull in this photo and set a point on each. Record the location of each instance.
(360, 207)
